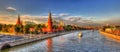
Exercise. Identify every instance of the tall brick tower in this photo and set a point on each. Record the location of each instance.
(18, 21)
(49, 27)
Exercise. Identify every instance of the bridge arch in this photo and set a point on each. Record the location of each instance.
(5, 46)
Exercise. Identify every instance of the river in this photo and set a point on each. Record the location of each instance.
(91, 41)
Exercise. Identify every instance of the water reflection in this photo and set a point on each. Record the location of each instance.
(79, 39)
(90, 42)
(49, 45)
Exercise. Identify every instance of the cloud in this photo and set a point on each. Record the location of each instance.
(37, 19)
(112, 21)
(78, 20)
(63, 14)
(11, 8)
(91, 17)
(73, 17)
(7, 19)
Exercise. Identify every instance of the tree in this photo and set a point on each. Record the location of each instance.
(26, 28)
(55, 26)
(68, 27)
(38, 28)
(4, 28)
(0, 27)
(18, 28)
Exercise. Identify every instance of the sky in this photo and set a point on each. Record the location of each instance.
(84, 12)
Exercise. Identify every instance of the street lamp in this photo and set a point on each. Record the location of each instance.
(31, 30)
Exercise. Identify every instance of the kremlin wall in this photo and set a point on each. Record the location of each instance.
(48, 26)
(51, 26)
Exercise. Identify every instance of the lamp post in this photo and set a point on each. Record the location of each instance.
(30, 34)
(31, 30)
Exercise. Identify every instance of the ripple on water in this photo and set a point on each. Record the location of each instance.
(90, 42)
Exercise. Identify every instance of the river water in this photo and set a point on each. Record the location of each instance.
(91, 41)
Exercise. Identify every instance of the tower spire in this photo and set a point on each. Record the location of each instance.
(18, 20)
(50, 16)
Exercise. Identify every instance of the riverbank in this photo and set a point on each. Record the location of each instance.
(24, 41)
(6, 33)
(110, 35)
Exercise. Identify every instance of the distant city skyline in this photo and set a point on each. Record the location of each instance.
(82, 12)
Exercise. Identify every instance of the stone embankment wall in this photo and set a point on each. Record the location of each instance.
(5, 45)
(110, 35)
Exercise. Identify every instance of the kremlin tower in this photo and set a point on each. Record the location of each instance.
(49, 27)
(18, 21)
(49, 23)
(60, 27)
